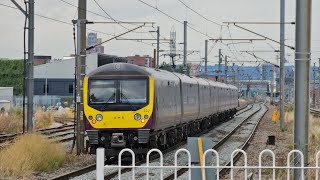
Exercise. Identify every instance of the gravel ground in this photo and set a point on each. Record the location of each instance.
(140, 173)
(281, 148)
(235, 141)
(77, 162)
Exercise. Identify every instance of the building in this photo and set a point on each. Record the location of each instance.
(194, 69)
(6, 93)
(56, 78)
(92, 39)
(38, 60)
(145, 60)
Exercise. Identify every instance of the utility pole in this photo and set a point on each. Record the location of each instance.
(282, 59)
(233, 75)
(154, 58)
(319, 81)
(185, 47)
(219, 67)
(239, 88)
(272, 84)
(30, 86)
(314, 86)
(226, 69)
(81, 67)
(158, 45)
(206, 57)
(302, 80)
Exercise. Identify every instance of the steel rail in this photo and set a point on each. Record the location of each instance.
(112, 175)
(216, 146)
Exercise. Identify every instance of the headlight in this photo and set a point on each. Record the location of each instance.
(146, 116)
(137, 116)
(99, 117)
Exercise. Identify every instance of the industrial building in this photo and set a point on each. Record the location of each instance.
(56, 78)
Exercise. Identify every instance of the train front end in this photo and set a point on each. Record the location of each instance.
(118, 108)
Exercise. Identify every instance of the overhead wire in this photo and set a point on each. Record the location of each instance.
(209, 20)
(171, 17)
(116, 21)
(67, 23)
(85, 9)
(108, 14)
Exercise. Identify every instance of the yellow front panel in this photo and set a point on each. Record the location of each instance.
(118, 119)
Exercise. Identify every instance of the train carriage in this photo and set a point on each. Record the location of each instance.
(128, 106)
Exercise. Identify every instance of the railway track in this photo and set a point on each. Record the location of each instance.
(315, 112)
(92, 167)
(60, 134)
(218, 134)
(230, 142)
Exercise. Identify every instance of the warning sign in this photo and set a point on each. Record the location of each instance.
(275, 116)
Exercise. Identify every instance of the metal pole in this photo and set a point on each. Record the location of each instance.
(282, 59)
(272, 84)
(185, 47)
(314, 86)
(30, 67)
(219, 67)
(233, 75)
(226, 69)
(81, 44)
(206, 57)
(158, 45)
(302, 80)
(154, 65)
(319, 82)
(239, 89)
(46, 87)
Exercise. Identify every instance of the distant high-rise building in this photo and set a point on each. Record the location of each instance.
(92, 39)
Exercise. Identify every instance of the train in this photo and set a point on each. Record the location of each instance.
(130, 106)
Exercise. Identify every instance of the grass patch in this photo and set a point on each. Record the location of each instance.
(30, 153)
(43, 119)
(63, 115)
(11, 122)
(289, 117)
(314, 139)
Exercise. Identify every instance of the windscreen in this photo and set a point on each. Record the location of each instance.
(133, 91)
(102, 91)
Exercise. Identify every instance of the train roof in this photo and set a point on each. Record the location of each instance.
(131, 69)
(119, 69)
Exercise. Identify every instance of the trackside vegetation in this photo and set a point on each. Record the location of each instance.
(28, 154)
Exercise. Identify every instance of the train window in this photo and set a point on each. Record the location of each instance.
(102, 91)
(133, 91)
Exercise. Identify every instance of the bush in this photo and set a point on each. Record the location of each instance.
(289, 117)
(12, 121)
(29, 153)
(43, 119)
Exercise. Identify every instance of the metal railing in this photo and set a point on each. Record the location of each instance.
(101, 168)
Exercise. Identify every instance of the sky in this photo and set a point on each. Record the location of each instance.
(56, 38)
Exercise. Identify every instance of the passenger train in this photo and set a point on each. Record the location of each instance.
(129, 106)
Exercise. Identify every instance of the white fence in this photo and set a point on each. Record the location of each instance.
(288, 168)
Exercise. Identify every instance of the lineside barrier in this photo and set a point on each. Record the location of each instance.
(288, 169)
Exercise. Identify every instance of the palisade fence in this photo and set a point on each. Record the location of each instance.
(39, 100)
(261, 171)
